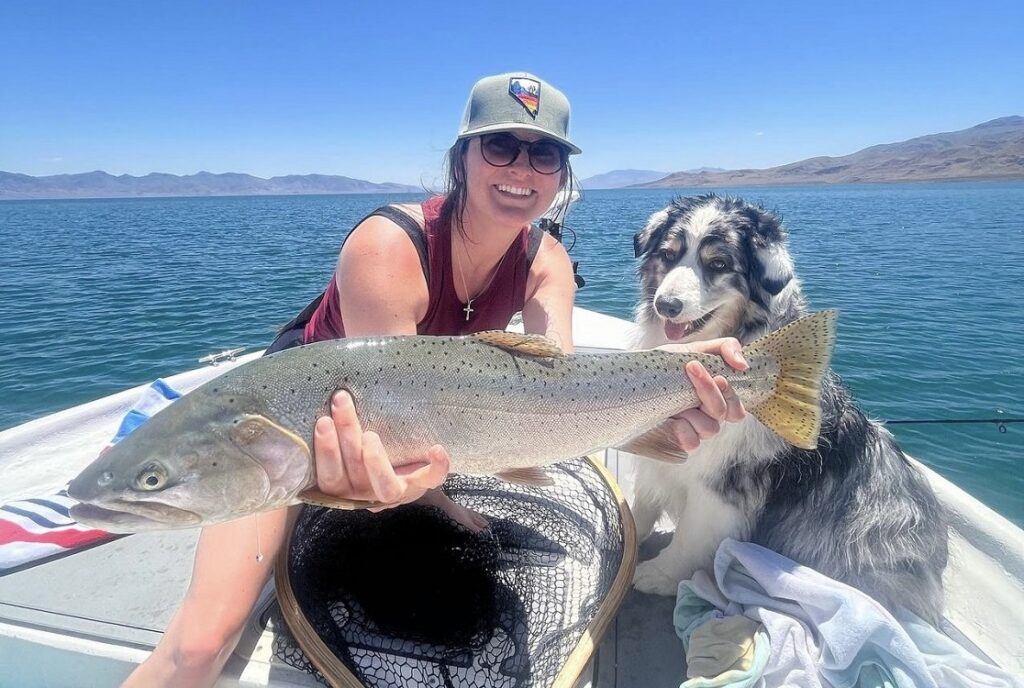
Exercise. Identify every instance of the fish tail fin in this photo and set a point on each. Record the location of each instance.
(803, 349)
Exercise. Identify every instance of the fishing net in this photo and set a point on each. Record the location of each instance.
(406, 597)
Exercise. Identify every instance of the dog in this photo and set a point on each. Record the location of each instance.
(854, 508)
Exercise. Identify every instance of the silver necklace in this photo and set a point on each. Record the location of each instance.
(468, 308)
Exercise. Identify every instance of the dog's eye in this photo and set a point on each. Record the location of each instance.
(667, 255)
(718, 264)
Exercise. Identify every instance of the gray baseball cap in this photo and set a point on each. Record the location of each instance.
(517, 100)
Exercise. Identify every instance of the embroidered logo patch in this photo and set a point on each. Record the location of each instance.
(527, 93)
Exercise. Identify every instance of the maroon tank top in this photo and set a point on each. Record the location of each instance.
(492, 309)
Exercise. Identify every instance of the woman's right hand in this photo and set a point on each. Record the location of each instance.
(353, 464)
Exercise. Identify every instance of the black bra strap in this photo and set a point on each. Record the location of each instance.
(536, 236)
(413, 229)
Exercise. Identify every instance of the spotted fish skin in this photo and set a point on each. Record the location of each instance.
(491, 408)
(242, 442)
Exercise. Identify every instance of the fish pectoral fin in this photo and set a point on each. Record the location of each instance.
(317, 498)
(658, 443)
(534, 345)
(532, 476)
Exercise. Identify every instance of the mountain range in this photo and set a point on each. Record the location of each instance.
(103, 185)
(616, 179)
(992, 150)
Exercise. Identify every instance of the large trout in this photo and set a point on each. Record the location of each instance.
(498, 402)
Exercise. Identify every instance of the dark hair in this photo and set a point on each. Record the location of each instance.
(454, 205)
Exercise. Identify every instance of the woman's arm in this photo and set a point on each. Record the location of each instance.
(227, 578)
(550, 293)
(382, 291)
(380, 281)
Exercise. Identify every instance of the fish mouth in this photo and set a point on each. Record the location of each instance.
(134, 517)
(678, 330)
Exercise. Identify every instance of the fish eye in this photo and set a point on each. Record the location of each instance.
(152, 477)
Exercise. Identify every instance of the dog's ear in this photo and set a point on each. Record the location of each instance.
(770, 266)
(658, 223)
(649, 237)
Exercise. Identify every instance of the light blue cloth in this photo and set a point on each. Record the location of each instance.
(691, 611)
(154, 398)
(874, 676)
(825, 633)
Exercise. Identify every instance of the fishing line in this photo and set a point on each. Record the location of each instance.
(573, 244)
(999, 422)
(259, 549)
(555, 230)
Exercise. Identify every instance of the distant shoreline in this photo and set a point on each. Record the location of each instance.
(100, 184)
(346, 194)
(989, 152)
(865, 182)
(708, 187)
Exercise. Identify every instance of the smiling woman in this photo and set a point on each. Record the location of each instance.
(456, 264)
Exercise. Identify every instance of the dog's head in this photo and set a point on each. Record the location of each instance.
(714, 267)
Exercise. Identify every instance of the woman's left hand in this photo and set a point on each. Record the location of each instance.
(718, 401)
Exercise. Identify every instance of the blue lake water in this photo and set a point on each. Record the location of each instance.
(99, 295)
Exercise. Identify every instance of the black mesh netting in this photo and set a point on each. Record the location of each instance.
(407, 598)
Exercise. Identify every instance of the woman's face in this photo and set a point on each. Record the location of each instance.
(514, 195)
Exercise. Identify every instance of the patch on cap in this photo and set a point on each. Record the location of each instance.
(526, 92)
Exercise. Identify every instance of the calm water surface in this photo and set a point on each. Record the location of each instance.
(99, 295)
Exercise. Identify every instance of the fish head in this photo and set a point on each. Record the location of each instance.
(206, 458)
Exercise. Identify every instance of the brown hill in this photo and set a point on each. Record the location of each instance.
(993, 150)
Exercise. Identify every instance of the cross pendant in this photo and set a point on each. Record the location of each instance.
(468, 309)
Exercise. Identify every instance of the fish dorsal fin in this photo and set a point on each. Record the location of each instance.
(535, 345)
(532, 476)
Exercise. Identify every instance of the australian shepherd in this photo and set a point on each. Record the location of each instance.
(854, 508)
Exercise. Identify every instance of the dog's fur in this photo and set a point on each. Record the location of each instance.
(854, 508)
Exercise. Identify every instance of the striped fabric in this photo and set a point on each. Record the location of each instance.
(32, 530)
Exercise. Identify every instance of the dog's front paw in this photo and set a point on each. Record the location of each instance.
(652, 580)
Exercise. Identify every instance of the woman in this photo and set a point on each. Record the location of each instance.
(456, 264)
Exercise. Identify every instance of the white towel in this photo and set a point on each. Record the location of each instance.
(823, 632)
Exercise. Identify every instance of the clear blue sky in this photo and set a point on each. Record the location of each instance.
(375, 90)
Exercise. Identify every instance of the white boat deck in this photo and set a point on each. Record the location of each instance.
(87, 619)
(105, 608)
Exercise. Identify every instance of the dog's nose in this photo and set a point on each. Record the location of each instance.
(668, 307)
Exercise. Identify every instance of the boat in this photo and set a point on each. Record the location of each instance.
(87, 618)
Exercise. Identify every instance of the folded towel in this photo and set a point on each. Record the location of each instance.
(32, 530)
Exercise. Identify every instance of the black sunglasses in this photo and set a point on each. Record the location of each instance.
(502, 149)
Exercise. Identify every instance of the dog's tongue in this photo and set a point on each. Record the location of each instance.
(676, 330)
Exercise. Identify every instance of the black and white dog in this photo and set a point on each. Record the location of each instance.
(854, 508)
